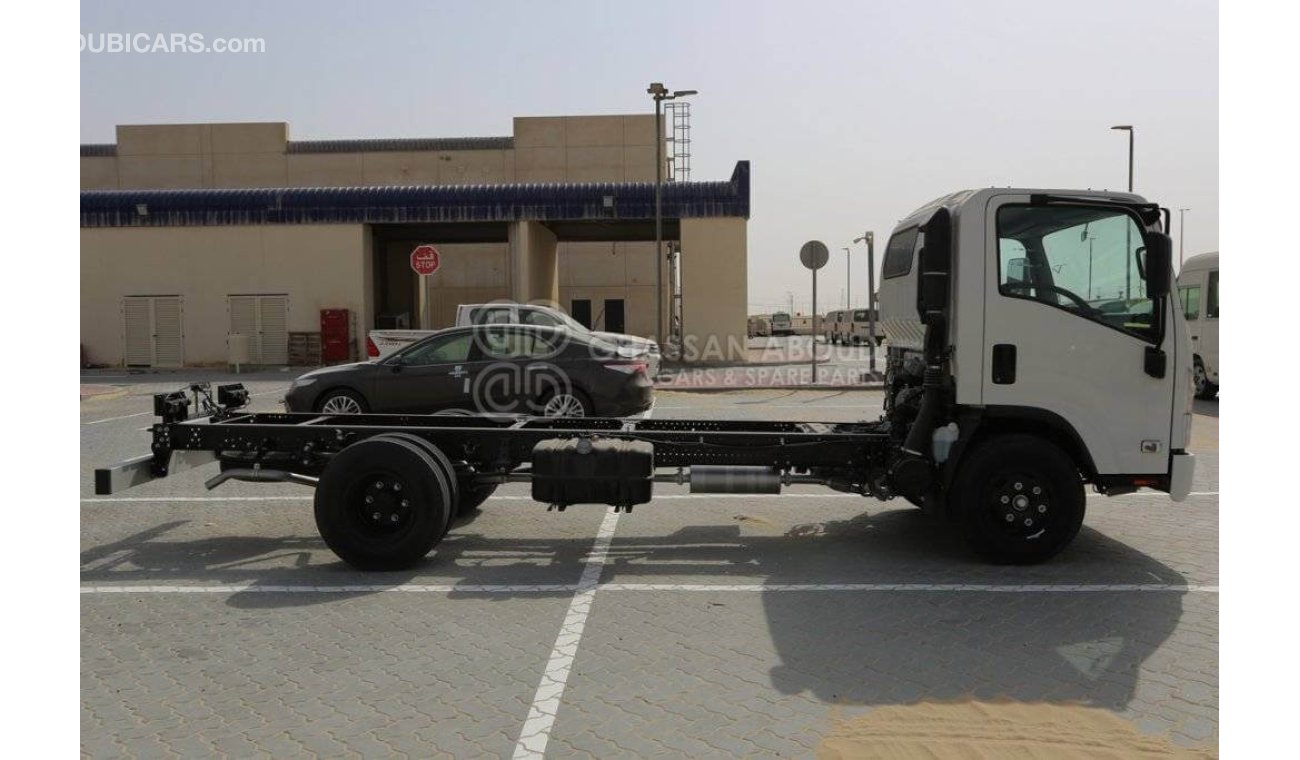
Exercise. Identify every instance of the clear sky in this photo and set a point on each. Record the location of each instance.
(852, 114)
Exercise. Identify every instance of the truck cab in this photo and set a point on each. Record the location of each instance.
(1054, 323)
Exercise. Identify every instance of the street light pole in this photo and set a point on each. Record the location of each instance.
(870, 239)
(1182, 226)
(660, 94)
(1128, 231)
(848, 278)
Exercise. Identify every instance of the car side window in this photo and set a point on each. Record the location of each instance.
(497, 344)
(496, 316)
(443, 350)
(1212, 296)
(541, 318)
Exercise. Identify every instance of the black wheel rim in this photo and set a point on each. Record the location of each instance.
(380, 506)
(1198, 379)
(1019, 504)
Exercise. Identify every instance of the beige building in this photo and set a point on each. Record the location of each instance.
(191, 232)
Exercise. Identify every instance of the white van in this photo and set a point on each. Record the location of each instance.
(1198, 290)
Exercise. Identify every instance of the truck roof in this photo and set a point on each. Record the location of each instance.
(1200, 261)
(954, 201)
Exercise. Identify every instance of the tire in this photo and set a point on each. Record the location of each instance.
(444, 464)
(411, 520)
(570, 403)
(993, 497)
(1204, 388)
(344, 401)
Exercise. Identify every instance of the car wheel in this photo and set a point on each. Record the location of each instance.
(1204, 388)
(341, 401)
(1019, 499)
(572, 403)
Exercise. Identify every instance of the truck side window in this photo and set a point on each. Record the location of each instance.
(1081, 259)
(1212, 297)
(898, 254)
(1190, 296)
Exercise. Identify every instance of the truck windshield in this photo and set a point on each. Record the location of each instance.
(1084, 259)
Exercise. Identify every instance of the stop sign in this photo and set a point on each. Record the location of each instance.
(425, 259)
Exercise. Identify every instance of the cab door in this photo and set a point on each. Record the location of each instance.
(1071, 334)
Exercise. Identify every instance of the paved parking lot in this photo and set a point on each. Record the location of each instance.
(799, 625)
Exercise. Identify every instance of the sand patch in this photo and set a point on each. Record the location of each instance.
(974, 730)
(757, 522)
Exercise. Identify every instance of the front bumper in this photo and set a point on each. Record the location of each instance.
(298, 399)
(1181, 468)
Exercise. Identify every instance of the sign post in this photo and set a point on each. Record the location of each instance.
(870, 238)
(814, 256)
(425, 260)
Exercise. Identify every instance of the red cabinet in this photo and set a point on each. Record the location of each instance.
(335, 336)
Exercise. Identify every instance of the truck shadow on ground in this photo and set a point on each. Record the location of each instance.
(860, 647)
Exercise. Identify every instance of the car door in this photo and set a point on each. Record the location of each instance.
(512, 372)
(1068, 327)
(432, 375)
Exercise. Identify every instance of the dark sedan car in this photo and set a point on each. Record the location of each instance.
(514, 369)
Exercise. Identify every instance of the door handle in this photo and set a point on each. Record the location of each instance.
(1004, 364)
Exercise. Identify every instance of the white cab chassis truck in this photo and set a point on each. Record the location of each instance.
(1035, 351)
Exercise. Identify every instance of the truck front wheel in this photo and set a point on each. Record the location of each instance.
(1019, 499)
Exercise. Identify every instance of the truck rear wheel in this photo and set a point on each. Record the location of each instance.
(444, 464)
(382, 504)
(465, 495)
(1019, 498)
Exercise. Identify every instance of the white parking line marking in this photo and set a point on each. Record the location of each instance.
(1015, 588)
(413, 588)
(546, 702)
(165, 499)
(567, 634)
(114, 419)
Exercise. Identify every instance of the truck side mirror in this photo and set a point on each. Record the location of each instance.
(1158, 264)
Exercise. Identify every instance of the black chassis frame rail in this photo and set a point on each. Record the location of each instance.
(302, 444)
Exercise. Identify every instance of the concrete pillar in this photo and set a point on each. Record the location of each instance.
(534, 266)
(715, 289)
